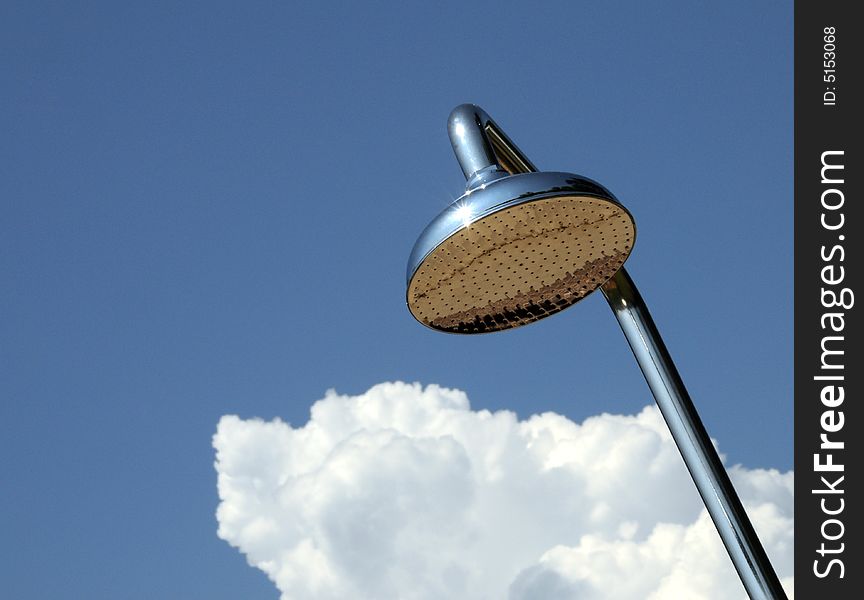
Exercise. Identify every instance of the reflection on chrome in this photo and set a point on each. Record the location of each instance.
(464, 214)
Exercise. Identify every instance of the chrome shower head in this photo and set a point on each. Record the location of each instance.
(521, 245)
(514, 248)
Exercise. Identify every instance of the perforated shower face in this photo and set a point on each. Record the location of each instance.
(521, 264)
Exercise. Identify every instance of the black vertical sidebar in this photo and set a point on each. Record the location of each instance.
(829, 368)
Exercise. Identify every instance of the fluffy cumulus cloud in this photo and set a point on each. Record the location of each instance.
(406, 492)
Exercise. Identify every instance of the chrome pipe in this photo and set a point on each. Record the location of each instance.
(467, 129)
(708, 473)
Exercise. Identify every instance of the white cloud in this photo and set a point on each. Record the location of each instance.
(405, 492)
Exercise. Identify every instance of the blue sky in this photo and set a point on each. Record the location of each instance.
(207, 209)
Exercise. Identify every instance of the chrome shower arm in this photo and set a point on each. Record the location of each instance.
(711, 479)
(510, 157)
(483, 150)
